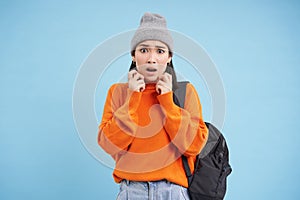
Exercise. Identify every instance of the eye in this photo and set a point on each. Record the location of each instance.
(143, 50)
(160, 51)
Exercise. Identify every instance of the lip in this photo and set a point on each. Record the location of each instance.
(151, 73)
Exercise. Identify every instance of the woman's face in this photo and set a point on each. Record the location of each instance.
(151, 57)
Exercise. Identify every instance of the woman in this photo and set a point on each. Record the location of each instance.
(143, 129)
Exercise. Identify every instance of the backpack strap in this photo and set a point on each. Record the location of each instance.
(187, 169)
(179, 93)
(179, 99)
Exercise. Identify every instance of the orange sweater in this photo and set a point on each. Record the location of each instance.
(146, 133)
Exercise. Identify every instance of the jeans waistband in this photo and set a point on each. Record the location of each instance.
(145, 182)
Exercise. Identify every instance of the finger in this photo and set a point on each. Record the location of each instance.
(163, 86)
(140, 82)
(131, 74)
(166, 77)
(158, 87)
(139, 77)
(142, 87)
(158, 90)
(163, 78)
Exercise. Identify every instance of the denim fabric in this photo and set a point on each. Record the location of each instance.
(157, 190)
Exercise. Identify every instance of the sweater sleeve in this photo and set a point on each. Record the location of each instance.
(119, 121)
(185, 126)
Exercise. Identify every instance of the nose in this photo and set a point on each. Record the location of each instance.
(151, 58)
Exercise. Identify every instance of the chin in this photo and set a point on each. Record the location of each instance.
(151, 80)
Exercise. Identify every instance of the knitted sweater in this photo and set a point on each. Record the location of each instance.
(146, 133)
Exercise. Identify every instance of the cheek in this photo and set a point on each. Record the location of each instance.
(138, 68)
(140, 59)
(161, 70)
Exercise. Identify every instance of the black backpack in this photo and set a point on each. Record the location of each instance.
(209, 180)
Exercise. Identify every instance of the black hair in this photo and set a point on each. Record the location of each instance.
(169, 69)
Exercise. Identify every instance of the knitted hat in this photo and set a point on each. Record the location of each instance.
(152, 27)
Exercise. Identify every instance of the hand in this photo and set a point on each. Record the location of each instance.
(164, 83)
(136, 81)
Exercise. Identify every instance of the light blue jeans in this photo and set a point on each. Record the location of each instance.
(157, 190)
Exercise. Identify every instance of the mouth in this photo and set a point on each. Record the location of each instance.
(151, 70)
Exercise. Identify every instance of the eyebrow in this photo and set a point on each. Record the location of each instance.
(146, 45)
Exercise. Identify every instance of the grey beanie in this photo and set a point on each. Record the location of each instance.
(152, 27)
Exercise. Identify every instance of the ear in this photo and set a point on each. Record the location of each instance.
(133, 58)
(169, 59)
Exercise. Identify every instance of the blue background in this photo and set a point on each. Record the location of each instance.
(254, 44)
